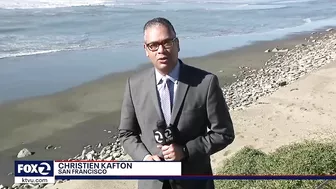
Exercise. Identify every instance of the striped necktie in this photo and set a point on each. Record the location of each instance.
(167, 96)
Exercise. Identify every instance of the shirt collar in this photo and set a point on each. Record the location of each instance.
(173, 75)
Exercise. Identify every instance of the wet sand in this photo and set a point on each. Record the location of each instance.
(78, 117)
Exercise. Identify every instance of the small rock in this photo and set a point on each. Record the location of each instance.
(16, 185)
(108, 151)
(116, 155)
(90, 155)
(282, 83)
(2, 186)
(59, 181)
(42, 185)
(99, 145)
(31, 186)
(49, 147)
(83, 154)
(268, 50)
(109, 158)
(329, 29)
(49, 185)
(300, 45)
(10, 173)
(88, 146)
(104, 156)
(283, 50)
(304, 109)
(24, 153)
(275, 50)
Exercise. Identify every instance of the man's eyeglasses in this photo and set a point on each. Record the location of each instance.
(168, 43)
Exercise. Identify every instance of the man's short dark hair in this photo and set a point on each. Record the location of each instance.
(159, 21)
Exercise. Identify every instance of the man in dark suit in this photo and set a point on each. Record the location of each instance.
(184, 97)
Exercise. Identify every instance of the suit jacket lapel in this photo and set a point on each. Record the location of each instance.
(181, 92)
(154, 94)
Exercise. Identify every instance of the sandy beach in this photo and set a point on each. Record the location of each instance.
(302, 110)
(77, 117)
(272, 122)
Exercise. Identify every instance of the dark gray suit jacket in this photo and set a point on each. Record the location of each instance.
(199, 104)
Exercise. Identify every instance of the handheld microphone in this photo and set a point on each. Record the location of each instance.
(164, 135)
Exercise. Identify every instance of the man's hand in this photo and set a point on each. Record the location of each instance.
(152, 158)
(172, 152)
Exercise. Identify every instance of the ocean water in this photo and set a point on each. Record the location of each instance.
(50, 45)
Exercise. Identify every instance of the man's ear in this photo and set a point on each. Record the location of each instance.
(178, 44)
(146, 50)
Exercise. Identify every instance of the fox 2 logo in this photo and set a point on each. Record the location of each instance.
(34, 168)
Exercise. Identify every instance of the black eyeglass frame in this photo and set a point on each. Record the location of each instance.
(168, 43)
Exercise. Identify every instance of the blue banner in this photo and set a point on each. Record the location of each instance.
(34, 168)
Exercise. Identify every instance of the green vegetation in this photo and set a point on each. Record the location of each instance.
(307, 158)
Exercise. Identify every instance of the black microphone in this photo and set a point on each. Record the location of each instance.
(164, 135)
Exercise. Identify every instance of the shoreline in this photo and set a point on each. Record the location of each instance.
(77, 114)
(144, 64)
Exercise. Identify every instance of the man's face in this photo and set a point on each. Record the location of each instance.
(161, 47)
